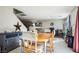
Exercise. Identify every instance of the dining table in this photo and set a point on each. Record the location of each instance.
(37, 38)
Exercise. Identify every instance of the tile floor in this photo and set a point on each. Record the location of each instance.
(59, 47)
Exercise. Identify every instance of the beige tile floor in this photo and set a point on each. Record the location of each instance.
(59, 47)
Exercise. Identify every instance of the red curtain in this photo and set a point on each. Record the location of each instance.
(76, 34)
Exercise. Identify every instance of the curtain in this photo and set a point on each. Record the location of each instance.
(76, 34)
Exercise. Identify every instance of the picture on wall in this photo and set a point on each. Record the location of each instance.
(38, 24)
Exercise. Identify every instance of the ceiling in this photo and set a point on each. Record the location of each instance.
(35, 13)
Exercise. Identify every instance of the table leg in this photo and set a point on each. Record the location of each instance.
(35, 47)
(45, 46)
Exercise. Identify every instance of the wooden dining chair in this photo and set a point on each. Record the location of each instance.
(28, 46)
(42, 40)
(50, 45)
(28, 42)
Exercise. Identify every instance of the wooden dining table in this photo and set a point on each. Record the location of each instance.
(40, 37)
(43, 36)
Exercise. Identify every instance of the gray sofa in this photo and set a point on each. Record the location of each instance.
(9, 41)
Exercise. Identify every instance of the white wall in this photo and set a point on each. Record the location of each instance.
(8, 19)
(58, 24)
(73, 19)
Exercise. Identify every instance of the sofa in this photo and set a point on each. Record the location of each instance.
(9, 41)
